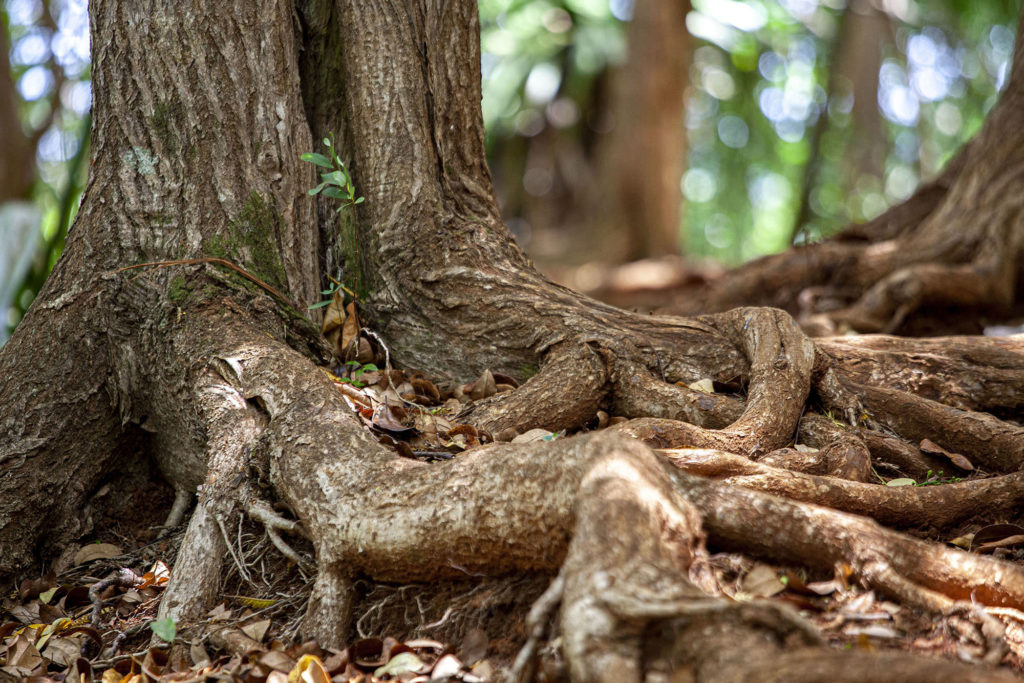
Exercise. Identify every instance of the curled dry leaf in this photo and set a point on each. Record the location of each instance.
(763, 582)
(350, 330)
(532, 435)
(703, 385)
(334, 318)
(931, 448)
(426, 388)
(483, 387)
(96, 551)
(997, 536)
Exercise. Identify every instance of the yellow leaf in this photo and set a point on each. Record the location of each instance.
(309, 669)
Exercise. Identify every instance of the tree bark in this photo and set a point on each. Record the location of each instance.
(201, 114)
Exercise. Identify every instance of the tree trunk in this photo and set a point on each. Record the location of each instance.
(201, 113)
(635, 203)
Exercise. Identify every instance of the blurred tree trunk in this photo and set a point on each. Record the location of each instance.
(635, 204)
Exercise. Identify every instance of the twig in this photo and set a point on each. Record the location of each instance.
(219, 261)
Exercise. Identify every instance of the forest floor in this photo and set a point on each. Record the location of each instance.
(94, 614)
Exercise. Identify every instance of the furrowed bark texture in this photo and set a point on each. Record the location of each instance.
(198, 126)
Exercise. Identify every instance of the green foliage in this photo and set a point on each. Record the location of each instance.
(337, 182)
(328, 294)
(936, 479)
(355, 371)
(165, 629)
(773, 138)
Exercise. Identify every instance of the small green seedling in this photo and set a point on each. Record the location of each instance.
(358, 372)
(329, 293)
(337, 182)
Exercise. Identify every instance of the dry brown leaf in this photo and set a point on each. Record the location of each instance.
(763, 582)
(532, 435)
(349, 328)
(703, 385)
(96, 551)
(483, 387)
(309, 669)
(334, 319)
(997, 536)
(256, 629)
(931, 448)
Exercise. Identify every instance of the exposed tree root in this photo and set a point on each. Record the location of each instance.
(924, 574)
(901, 506)
(624, 532)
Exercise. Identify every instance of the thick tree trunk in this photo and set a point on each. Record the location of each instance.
(201, 114)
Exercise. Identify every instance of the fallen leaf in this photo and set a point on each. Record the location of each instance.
(403, 663)
(219, 613)
(447, 666)
(349, 328)
(483, 387)
(22, 653)
(198, 654)
(932, 448)
(763, 582)
(703, 385)
(532, 435)
(96, 551)
(256, 629)
(309, 669)
(997, 536)
(334, 319)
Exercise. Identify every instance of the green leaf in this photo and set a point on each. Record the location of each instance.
(337, 193)
(902, 481)
(318, 159)
(327, 142)
(319, 305)
(165, 629)
(360, 200)
(369, 367)
(335, 178)
(316, 190)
